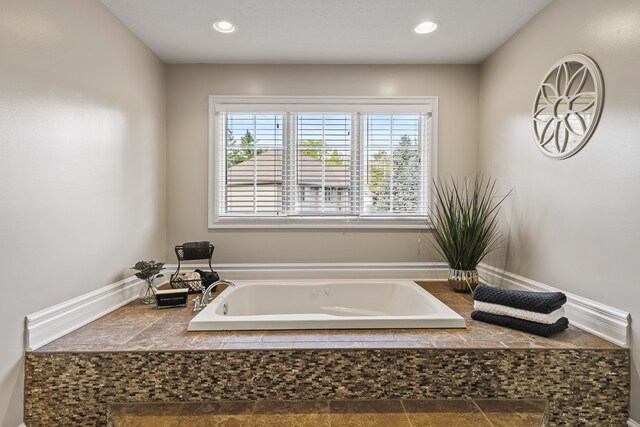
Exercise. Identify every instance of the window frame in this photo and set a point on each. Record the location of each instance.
(258, 104)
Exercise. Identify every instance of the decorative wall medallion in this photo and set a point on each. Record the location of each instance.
(567, 106)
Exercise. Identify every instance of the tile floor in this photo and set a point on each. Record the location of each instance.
(334, 413)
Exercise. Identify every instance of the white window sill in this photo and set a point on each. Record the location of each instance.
(324, 223)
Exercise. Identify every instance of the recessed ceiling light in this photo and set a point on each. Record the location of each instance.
(426, 27)
(223, 26)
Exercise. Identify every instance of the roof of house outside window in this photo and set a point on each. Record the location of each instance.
(268, 168)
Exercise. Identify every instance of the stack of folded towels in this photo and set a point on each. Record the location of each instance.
(539, 313)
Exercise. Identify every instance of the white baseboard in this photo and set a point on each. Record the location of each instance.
(423, 271)
(598, 319)
(631, 423)
(53, 322)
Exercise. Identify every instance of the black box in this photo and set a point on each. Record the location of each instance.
(167, 298)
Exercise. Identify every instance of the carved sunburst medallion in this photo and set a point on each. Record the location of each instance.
(567, 106)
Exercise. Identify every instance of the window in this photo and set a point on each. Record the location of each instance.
(321, 162)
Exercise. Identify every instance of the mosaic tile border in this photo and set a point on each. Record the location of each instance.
(583, 387)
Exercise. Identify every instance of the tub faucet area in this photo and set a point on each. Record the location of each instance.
(201, 302)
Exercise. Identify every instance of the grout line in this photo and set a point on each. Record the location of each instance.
(144, 329)
(405, 413)
(482, 412)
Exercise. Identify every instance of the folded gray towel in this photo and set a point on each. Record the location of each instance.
(202, 244)
(195, 250)
(541, 329)
(540, 302)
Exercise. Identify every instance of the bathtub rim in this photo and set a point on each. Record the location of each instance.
(446, 317)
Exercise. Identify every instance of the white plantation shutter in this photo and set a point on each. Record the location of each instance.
(362, 162)
(323, 167)
(395, 165)
(251, 180)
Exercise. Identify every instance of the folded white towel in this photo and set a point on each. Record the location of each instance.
(531, 316)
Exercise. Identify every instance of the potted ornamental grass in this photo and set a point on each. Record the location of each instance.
(465, 226)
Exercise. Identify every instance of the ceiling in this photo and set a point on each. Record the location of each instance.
(324, 31)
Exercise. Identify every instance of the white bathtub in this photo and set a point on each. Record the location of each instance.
(325, 304)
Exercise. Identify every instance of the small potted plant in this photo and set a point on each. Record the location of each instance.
(465, 226)
(148, 271)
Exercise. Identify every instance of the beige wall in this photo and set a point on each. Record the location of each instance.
(82, 153)
(188, 88)
(575, 223)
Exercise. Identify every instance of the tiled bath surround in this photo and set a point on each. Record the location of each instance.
(72, 380)
(583, 387)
